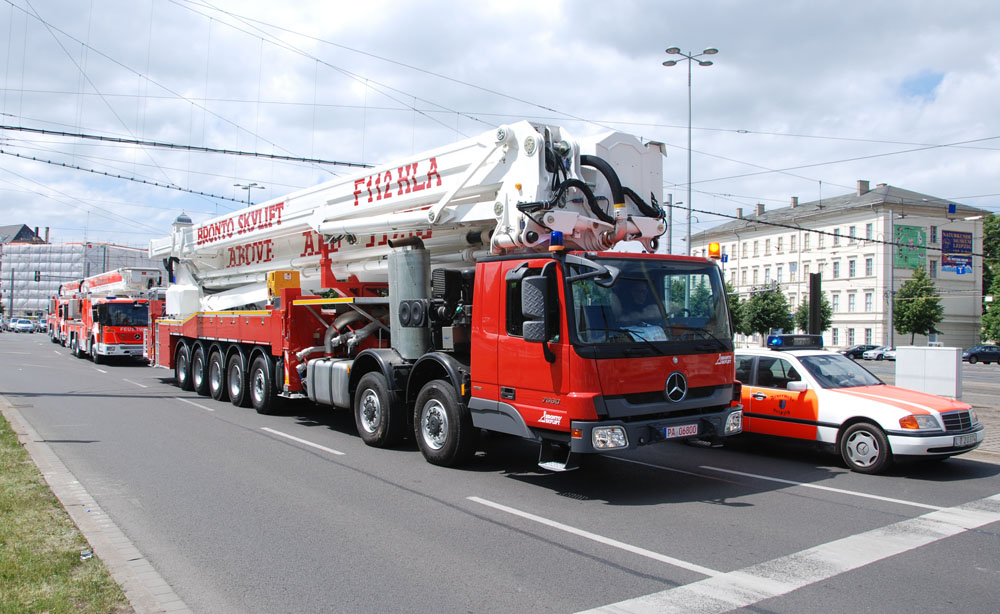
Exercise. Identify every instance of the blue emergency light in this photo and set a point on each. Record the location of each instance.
(795, 342)
(556, 241)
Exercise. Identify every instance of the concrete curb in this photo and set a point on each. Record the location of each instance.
(145, 589)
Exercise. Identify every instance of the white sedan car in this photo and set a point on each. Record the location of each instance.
(798, 390)
(878, 353)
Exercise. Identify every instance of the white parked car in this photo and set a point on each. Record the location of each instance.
(23, 326)
(796, 389)
(878, 353)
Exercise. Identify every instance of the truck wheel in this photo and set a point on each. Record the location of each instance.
(380, 424)
(199, 379)
(443, 425)
(182, 367)
(865, 448)
(97, 358)
(236, 381)
(217, 377)
(263, 395)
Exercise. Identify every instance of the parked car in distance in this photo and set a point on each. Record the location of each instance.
(796, 390)
(877, 354)
(982, 353)
(889, 354)
(23, 326)
(855, 351)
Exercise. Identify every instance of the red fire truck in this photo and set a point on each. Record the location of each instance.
(507, 282)
(105, 315)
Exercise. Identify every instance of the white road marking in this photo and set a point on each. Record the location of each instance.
(198, 405)
(751, 585)
(672, 470)
(600, 538)
(826, 488)
(137, 384)
(101, 370)
(303, 441)
(57, 352)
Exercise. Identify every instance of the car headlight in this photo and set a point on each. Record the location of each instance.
(734, 423)
(973, 416)
(609, 437)
(918, 422)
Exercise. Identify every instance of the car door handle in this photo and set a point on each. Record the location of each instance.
(758, 396)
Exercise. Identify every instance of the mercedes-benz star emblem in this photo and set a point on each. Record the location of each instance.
(676, 388)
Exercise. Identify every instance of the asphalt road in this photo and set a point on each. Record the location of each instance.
(293, 513)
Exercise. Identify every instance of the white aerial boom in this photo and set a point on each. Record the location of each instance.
(505, 191)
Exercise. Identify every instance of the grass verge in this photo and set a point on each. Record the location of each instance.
(40, 566)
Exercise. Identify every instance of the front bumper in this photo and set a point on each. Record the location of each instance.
(934, 445)
(119, 349)
(641, 433)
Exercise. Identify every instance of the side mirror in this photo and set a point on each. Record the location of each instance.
(798, 386)
(535, 308)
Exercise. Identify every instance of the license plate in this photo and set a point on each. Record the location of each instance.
(687, 430)
(965, 440)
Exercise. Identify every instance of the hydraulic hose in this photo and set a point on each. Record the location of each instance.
(617, 194)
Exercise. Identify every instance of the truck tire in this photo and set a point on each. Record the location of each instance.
(97, 358)
(236, 380)
(217, 377)
(865, 448)
(380, 423)
(443, 426)
(263, 395)
(199, 379)
(182, 367)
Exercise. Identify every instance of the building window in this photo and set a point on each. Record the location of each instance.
(868, 336)
(850, 336)
(852, 232)
(851, 302)
(869, 267)
(835, 337)
(852, 268)
(755, 276)
(805, 270)
(819, 241)
(756, 249)
(767, 247)
(732, 249)
(778, 274)
(933, 269)
(869, 302)
(732, 277)
(744, 249)
(767, 275)
(743, 277)
(805, 242)
(869, 231)
(934, 234)
(835, 303)
(791, 271)
(836, 269)
(780, 239)
(836, 237)
(791, 243)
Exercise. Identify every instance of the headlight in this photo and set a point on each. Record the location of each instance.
(734, 423)
(609, 437)
(918, 422)
(973, 416)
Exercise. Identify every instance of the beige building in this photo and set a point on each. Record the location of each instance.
(849, 241)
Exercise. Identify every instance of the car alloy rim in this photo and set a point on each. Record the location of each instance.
(434, 424)
(863, 449)
(371, 411)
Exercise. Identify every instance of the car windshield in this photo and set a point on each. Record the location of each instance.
(651, 301)
(836, 371)
(124, 314)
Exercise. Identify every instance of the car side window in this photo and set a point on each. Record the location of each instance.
(744, 368)
(774, 372)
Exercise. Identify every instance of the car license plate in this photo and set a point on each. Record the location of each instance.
(965, 440)
(688, 430)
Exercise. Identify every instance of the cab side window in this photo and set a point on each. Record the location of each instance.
(744, 367)
(774, 372)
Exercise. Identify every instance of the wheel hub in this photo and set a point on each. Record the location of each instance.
(371, 411)
(434, 425)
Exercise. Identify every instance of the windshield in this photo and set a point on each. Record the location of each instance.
(124, 314)
(836, 371)
(652, 300)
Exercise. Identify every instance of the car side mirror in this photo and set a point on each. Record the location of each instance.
(798, 386)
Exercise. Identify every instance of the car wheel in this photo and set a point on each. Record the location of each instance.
(443, 426)
(182, 367)
(263, 394)
(97, 358)
(379, 423)
(973, 360)
(236, 381)
(199, 378)
(865, 448)
(217, 377)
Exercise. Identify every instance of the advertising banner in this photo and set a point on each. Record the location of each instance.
(910, 250)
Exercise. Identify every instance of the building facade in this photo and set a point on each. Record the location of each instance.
(865, 246)
(31, 273)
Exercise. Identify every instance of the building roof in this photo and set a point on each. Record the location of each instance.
(882, 197)
(17, 233)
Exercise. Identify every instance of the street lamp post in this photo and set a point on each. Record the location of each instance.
(248, 187)
(690, 58)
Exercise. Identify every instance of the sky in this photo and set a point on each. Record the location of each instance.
(804, 98)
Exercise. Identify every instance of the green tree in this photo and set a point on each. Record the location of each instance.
(991, 253)
(736, 305)
(766, 311)
(991, 317)
(825, 315)
(917, 308)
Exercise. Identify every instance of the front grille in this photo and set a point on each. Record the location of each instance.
(957, 421)
(657, 396)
